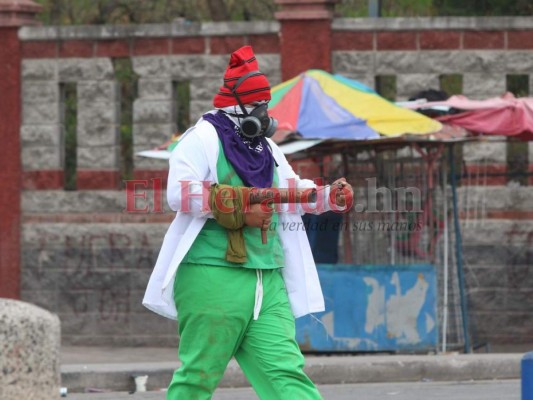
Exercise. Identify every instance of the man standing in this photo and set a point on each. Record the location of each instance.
(234, 293)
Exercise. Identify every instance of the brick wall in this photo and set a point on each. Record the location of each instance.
(83, 256)
(499, 276)
(418, 51)
(160, 56)
(86, 259)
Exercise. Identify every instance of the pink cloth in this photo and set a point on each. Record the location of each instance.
(504, 115)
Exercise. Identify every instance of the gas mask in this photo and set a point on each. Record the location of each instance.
(257, 122)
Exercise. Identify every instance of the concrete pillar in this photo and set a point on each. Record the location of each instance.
(305, 35)
(29, 358)
(13, 14)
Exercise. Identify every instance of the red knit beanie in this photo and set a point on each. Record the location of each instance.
(254, 88)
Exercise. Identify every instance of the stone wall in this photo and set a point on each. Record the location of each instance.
(160, 55)
(499, 276)
(42, 131)
(94, 276)
(416, 51)
(497, 246)
(419, 50)
(88, 260)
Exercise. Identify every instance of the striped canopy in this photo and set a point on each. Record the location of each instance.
(321, 105)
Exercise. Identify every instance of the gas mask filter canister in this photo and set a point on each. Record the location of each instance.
(258, 123)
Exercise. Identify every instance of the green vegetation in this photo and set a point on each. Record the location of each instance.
(389, 8)
(386, 86)
(79, 12)
(483, 7)
(127, 81)
(518, 150)
(451, 83)
(69, 119)
(94, 12)
(518, 85)
(182, 96)
(426, 8)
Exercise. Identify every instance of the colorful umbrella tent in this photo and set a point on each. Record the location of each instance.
(321, 105)
(324, 106)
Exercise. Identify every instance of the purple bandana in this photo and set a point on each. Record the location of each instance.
(251, 158)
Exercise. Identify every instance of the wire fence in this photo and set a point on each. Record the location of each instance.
(411, 204)
(403, 215)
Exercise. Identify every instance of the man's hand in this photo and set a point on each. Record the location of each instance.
(343, 192)
(258, 216)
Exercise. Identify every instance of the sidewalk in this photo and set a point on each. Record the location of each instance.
(476, 390)
(113, 368)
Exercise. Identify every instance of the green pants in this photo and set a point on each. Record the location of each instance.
(215, 316)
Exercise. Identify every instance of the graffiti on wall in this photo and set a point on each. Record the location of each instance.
(93, 272)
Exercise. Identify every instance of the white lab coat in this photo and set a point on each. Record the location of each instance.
(195, 160)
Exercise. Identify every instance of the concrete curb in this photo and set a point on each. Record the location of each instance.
(322, 370)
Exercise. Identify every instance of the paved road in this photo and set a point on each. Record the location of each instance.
(480, 390)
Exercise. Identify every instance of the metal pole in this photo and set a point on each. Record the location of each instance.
(459, 250)
(446, 250)
(374, 8)
(348, 244)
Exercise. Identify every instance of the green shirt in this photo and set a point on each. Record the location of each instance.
(209, 247)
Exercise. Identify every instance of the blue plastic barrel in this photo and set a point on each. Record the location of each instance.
(527, 376)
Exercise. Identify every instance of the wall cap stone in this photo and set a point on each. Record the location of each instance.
(429, 23)
(182, 28)
(176, 29)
